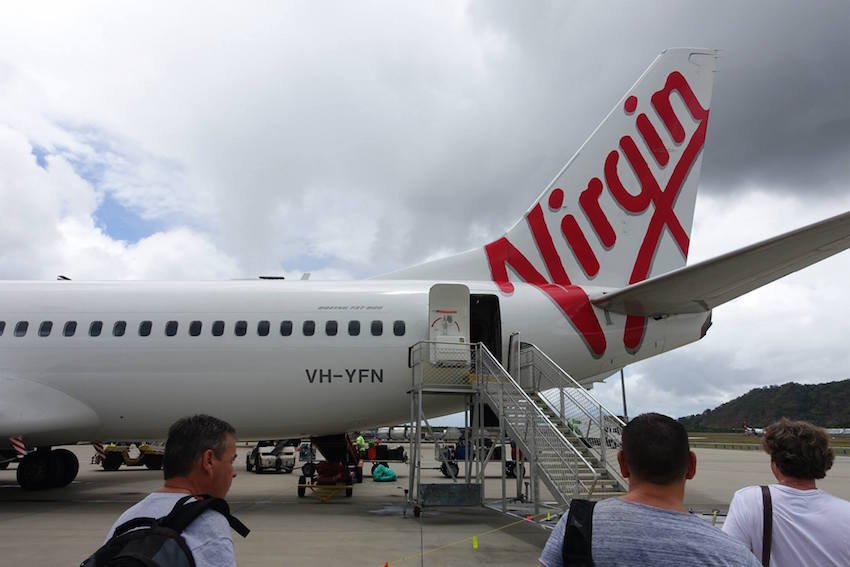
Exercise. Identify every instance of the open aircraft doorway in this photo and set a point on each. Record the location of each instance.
(485, 323)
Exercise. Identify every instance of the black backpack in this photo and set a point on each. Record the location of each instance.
(151, 542)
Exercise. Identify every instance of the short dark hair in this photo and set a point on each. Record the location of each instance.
(656, 448)
(799, 449)
(188, 438)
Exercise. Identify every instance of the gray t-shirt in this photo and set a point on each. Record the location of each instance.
(208, 536)
(625, 533)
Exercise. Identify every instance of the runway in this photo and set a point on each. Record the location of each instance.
(61, 527)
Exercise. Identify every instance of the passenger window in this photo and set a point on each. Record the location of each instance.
(354, 328)
(331, 328)
(309, 328)
(95, 328)
(241, 328)
(119, 328)
(70, 329)
(171, 328)
(21, 328)
(398, 328)
(2, 327)
(377, 328)
(218, 328)
(195, 328)
(145, 328)
(45, 328)
(263, 328)
(285, 328)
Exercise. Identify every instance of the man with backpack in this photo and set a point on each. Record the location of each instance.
(186, 521)
(649, 525)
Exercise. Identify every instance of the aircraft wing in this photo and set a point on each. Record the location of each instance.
(703, 286)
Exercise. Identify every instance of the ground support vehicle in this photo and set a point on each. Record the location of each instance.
(277, 455)
(134, 454)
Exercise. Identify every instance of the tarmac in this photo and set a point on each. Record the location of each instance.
(372, 528)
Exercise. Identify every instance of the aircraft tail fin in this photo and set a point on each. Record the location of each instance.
(621, 210)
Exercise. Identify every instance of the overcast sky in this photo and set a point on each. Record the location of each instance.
(215, 140)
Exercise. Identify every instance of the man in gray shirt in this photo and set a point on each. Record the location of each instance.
(649, 525)
(199, 455)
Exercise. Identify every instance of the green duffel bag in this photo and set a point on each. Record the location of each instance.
(383, 473)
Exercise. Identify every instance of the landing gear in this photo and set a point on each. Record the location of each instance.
(43, 469)
(64, 466)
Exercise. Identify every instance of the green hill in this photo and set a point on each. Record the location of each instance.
(826, 405)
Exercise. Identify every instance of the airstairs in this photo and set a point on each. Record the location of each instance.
(567, 438)
(584, 421)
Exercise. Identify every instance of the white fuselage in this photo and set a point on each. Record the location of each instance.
(64, 389)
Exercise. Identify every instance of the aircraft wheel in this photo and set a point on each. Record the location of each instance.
(64, 466)
(34, 471)
(302, 490)
(308, 469)
(449, 469)
(112, 461)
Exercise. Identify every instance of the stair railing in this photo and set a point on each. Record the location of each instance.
(550, 452)
(579, 410)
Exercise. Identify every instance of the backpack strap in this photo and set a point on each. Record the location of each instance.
(767, 505)
(578, 534)
(132, 524)
(184, 513)
(222, 507)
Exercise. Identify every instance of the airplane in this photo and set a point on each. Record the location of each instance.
(594, 273)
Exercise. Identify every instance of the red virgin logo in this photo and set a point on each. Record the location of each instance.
(571, 299)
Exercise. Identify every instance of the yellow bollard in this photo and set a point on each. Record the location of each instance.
(475, 542)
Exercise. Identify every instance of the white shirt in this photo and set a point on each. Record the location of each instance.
(810, 527)
(208, 536)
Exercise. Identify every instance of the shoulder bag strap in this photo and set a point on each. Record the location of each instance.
(767, 525)
(578, 534)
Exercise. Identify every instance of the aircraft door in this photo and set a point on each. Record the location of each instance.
(448, 319)
(485, 322)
